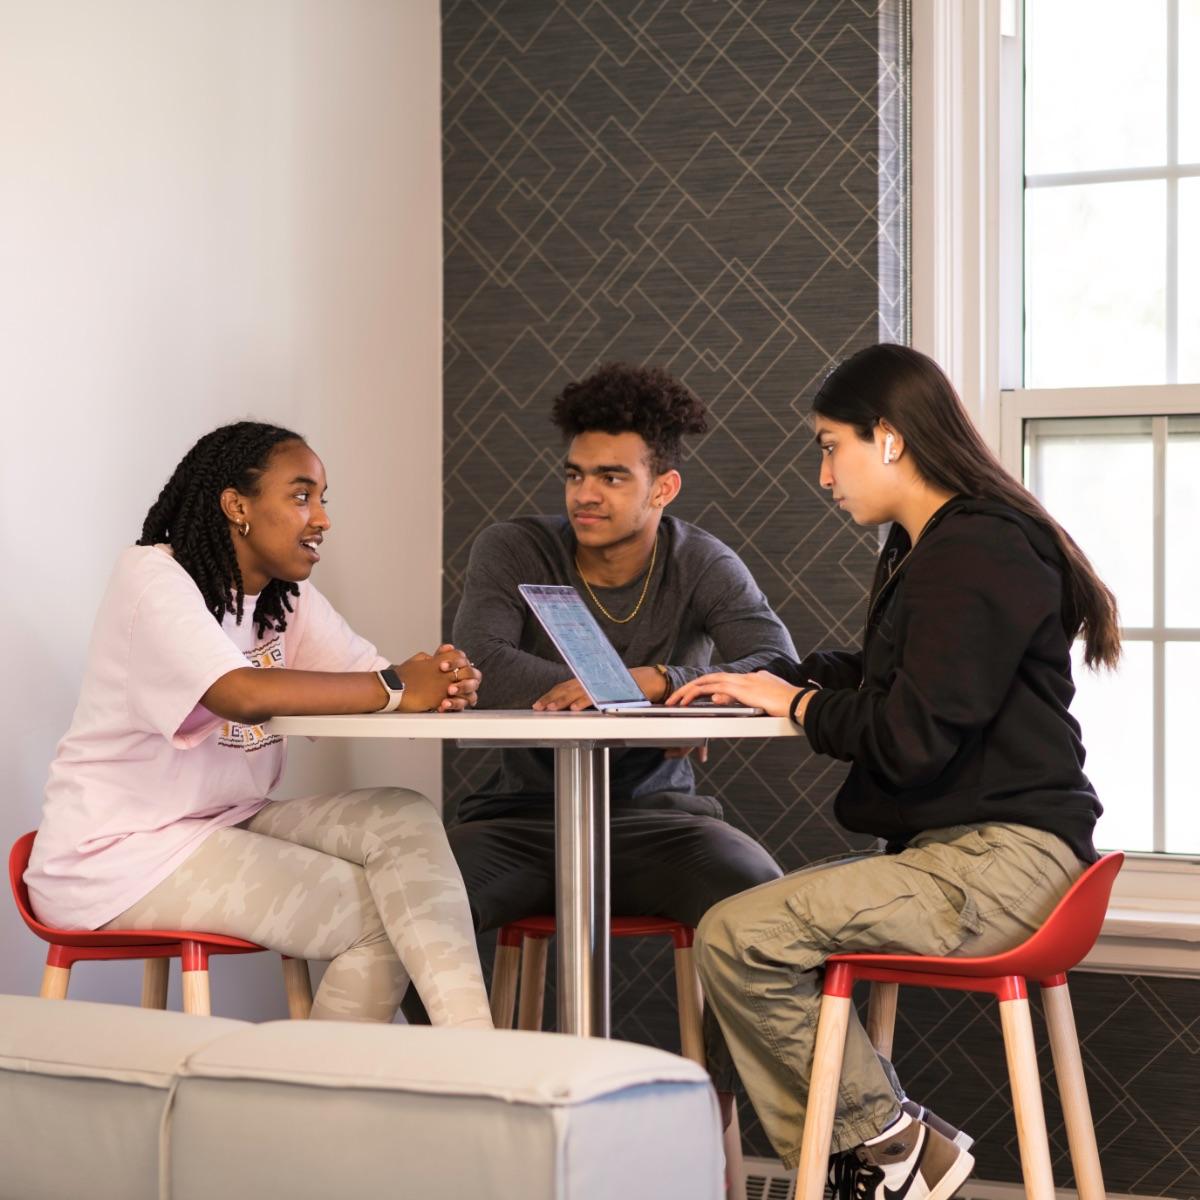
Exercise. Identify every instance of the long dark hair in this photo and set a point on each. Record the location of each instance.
(909, 391)
(187, 515)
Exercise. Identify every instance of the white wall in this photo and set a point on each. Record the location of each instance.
(211, 211)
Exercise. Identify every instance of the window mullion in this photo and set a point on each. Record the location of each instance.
(1172, 83)
(1159, 431)
(1174, 170)
(1172, 282)
(1172, 248)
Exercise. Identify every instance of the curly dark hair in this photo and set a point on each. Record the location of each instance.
(621, 398)
(187, 515)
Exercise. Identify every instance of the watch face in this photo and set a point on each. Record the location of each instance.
(392, 679)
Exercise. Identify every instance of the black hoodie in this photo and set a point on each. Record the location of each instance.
(955, 711)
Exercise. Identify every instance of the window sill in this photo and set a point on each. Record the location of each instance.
(1126, 956)
(1153, 922)
(1158, 940)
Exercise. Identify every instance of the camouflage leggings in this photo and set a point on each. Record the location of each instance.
(364, 879)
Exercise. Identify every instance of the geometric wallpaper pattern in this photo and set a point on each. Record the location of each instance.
(1140, 1041)
(715, 188)
(720, 187)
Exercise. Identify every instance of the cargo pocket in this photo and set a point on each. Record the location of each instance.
(953, 867)
(881, 908)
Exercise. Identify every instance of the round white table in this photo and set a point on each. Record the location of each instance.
(581, 742)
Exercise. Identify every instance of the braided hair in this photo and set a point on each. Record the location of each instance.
(187, 515)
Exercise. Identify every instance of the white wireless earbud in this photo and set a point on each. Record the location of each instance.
(887, 448)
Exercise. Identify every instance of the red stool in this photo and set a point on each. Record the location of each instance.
(525, 942)
(1067, 934)
(156, 946)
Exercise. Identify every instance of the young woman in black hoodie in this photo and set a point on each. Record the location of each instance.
(964, 759)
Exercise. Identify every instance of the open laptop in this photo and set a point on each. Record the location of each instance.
(595, 661)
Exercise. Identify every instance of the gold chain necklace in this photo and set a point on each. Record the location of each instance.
(641, 599)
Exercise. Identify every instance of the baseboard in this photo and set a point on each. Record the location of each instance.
(769, 1179)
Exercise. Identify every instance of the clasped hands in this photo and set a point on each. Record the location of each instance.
(444, 681)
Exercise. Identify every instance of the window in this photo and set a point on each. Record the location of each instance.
(1111, 192)
(1056, 276)
(1128, 489)
(1110, 204)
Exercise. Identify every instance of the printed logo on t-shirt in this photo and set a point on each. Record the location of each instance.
(254, 737)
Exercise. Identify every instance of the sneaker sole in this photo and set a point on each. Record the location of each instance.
(953, 1178)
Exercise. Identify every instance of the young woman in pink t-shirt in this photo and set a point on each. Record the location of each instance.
(156, 812)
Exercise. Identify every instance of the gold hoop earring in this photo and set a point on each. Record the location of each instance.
(245, 528)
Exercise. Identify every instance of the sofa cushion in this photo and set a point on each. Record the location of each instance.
(82, 1091)
(316, 1108)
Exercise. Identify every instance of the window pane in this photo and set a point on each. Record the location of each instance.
(1189, 276)
(1183, 525)
(1096, 478)
(1095, 285)
(1189, 81)
(1183, 781)
(1116, 712)
(1095, 84)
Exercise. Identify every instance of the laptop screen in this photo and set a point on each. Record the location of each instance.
(582, 643)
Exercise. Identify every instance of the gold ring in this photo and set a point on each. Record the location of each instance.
(455, 674)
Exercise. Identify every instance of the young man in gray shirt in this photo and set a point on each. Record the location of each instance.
(673, 600)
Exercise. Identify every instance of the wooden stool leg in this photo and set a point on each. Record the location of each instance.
(1072, 1089)
(1027, 1098)
(55, 981)
(735, 1167)
(533, 982)
(193, 958)
(297, 983)
(822, 1097)
(881, 1017)
(504, 985)
(690, 1002)
(196, 998)
(155, 975)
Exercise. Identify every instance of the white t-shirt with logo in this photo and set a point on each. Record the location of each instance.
(146, 772)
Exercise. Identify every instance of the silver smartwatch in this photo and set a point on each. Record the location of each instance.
(391, 680)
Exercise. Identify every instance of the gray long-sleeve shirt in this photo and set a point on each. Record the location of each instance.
(702, 604)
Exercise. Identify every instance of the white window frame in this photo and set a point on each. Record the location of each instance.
(966, 313)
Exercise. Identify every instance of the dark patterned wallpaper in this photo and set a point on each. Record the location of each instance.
(713, 187)
(720, 187)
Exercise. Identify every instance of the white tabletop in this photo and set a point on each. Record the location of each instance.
(535, 728)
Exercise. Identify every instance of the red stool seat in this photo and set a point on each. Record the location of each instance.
(619, 927)
(1064, 938)
(192, 948)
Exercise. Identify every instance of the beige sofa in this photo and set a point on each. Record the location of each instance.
(119, 1103)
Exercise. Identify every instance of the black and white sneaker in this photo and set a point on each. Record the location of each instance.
(908, 1161)
(960, 1137)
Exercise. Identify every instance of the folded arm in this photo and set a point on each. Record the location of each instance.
(250, 695)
